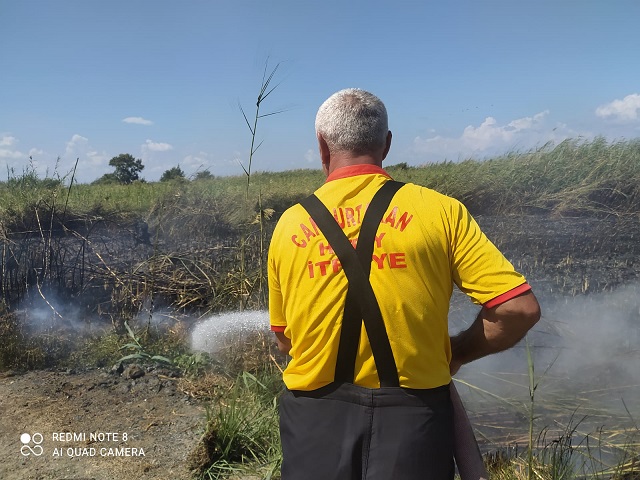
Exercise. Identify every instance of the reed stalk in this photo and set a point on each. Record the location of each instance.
(265, 90)
(532, 397)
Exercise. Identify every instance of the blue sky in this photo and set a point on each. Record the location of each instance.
(162, 80)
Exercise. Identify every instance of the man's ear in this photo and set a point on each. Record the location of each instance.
(387, 146)
(325, 155)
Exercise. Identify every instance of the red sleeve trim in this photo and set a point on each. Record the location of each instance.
(494, 302)
(277, 328)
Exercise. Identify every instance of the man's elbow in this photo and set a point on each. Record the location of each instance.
(530, 311)
(517, 316)
(527, 313)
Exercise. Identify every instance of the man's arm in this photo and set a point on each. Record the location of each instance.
(284, 342)
(495, 329)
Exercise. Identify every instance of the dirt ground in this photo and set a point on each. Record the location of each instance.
(149, 415)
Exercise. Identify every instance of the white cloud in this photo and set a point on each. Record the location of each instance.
(7, 141)
(9, 153)
(137, 121)
(625, 110)
(77, 142)
(156, 158)
(92, 162)
(200, 160)
(207, 161)
(156, 146)
(6, 153)
(79, 147)
(312, 156)
(491, 138)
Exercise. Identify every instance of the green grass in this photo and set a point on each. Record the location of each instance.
(574, 177)
(242, 435)
(571, 178)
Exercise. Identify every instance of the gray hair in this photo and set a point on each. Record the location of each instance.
(353, 120)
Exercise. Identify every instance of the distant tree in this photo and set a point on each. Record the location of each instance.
(203, 175)
(401, 166)
(126, 167)
(106, 179)
(174, 173)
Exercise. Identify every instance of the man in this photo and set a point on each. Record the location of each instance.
(337, 425)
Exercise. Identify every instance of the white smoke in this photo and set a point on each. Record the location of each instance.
(585, 351)
(42, 310)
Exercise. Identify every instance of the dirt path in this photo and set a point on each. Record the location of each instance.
(149, 419)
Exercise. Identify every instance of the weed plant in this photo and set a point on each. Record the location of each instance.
(241, 438)
(242, 435)
(139, 351)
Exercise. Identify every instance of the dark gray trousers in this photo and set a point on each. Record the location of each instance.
(346, 432)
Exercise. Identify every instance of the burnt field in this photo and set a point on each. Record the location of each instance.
(569, 256)
(585, 271)
(585, 353)
(111, 270)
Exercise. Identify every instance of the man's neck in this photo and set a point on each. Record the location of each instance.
(355, 170)
(340, 160)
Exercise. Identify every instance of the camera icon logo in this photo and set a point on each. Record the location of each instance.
(27, 440)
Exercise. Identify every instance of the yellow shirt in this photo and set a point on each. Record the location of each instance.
(426, 243)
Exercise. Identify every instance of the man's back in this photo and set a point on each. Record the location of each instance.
(425, 242)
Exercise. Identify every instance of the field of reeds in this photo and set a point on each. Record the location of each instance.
(116, 258)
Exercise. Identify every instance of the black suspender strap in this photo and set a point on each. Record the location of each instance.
(361, 304)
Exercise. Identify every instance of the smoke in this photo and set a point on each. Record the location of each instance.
(44, 331)
(43, 311)
(585, 351)
(599, 332)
